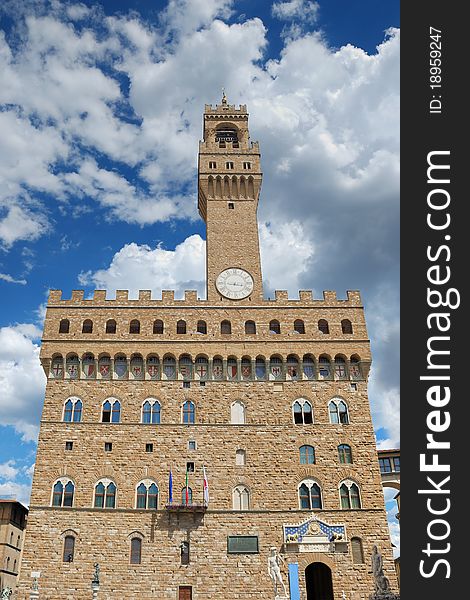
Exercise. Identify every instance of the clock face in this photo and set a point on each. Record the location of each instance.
(234, 283)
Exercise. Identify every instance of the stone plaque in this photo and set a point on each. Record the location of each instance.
(242, 544)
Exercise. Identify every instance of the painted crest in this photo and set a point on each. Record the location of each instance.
(309, 372)
(185, 371)
(217, 371)
(246, 371)
(355, 372)
(276, 371)
(120, 368)
(201, 370)
(72, 371)
(169, 371)
(324, 372)
(293, 372)
(340, 371)
(57, 370)
(232, 371)
(89, 369)
(137, 371)
(104, 369)
(260, 371)
(153, 371)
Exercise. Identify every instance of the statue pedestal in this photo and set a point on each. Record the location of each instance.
(384, 596)
(281, 598)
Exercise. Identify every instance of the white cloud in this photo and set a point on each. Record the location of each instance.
(134, 267)
(10, 279)
(22, 380)
(15, 491)
(20, 223)
(296, 9)
(8, 470)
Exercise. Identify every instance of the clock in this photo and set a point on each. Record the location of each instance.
(234, 283)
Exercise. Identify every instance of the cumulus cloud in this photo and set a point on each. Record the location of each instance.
(296, 9)
(10, 279)
(22, 380)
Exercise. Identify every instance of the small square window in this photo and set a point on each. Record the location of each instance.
(353, 387)
(108, 446)
(148, 447)
(68, 445)
(202, 383)
(190, 467)
(212, 165)
(186, 384)
(192, 445)
(231, 205)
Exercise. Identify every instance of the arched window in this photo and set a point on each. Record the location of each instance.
(111, 326)
(324, 367)
(349, 494)
(137, 366)
(246, 368)
(169, 367)
(57, 367)
(241, 498)
(237, 413)
(120, 366)
(87, 326)
(187, 496)
(217, 368)
(309, 366)
(260, 368)
(299, 326)
(232, 368)
(293, 367)
(202, 367)
(188, 412)
(345, 454)
(105, 494)
(158, 326)
(240, 458)
(225, 327)
(186, 367)
(136, 551)
(250, 327)
(151, 411)
(71, 366)
(275, 367)
(64, 326)
(111, 411)
(201, 327)
(346, 326)
(340, 368)
(323, 326)
(310, 494)
(181, 326)
(338, 411)
(357, 551)
(69, 548)
(73, 410)
(355, 368)
(307, 455)
(274, 326)
(134, 326)
(302, 412)
(153, 367)
(147, 495)
(62, 492)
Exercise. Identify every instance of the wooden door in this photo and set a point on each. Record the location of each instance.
(185, 592)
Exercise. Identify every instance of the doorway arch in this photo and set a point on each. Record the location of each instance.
(319, 582)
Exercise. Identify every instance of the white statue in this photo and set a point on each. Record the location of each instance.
(274, 571)
(6, 592)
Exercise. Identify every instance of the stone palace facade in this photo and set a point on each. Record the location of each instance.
(256, 409)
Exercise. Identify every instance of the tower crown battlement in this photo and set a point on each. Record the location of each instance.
(330, 299)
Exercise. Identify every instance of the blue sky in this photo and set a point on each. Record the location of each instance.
(100, 113)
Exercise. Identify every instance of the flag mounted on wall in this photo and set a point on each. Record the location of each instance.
(205, 487)
(170, 487)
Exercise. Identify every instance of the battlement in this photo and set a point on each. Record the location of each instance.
(281, 298)
(223, 109)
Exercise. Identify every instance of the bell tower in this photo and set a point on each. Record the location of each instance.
(229, 182)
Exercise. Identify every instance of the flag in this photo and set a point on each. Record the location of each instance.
(186, 489)
(205, 487)
(170, 487)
